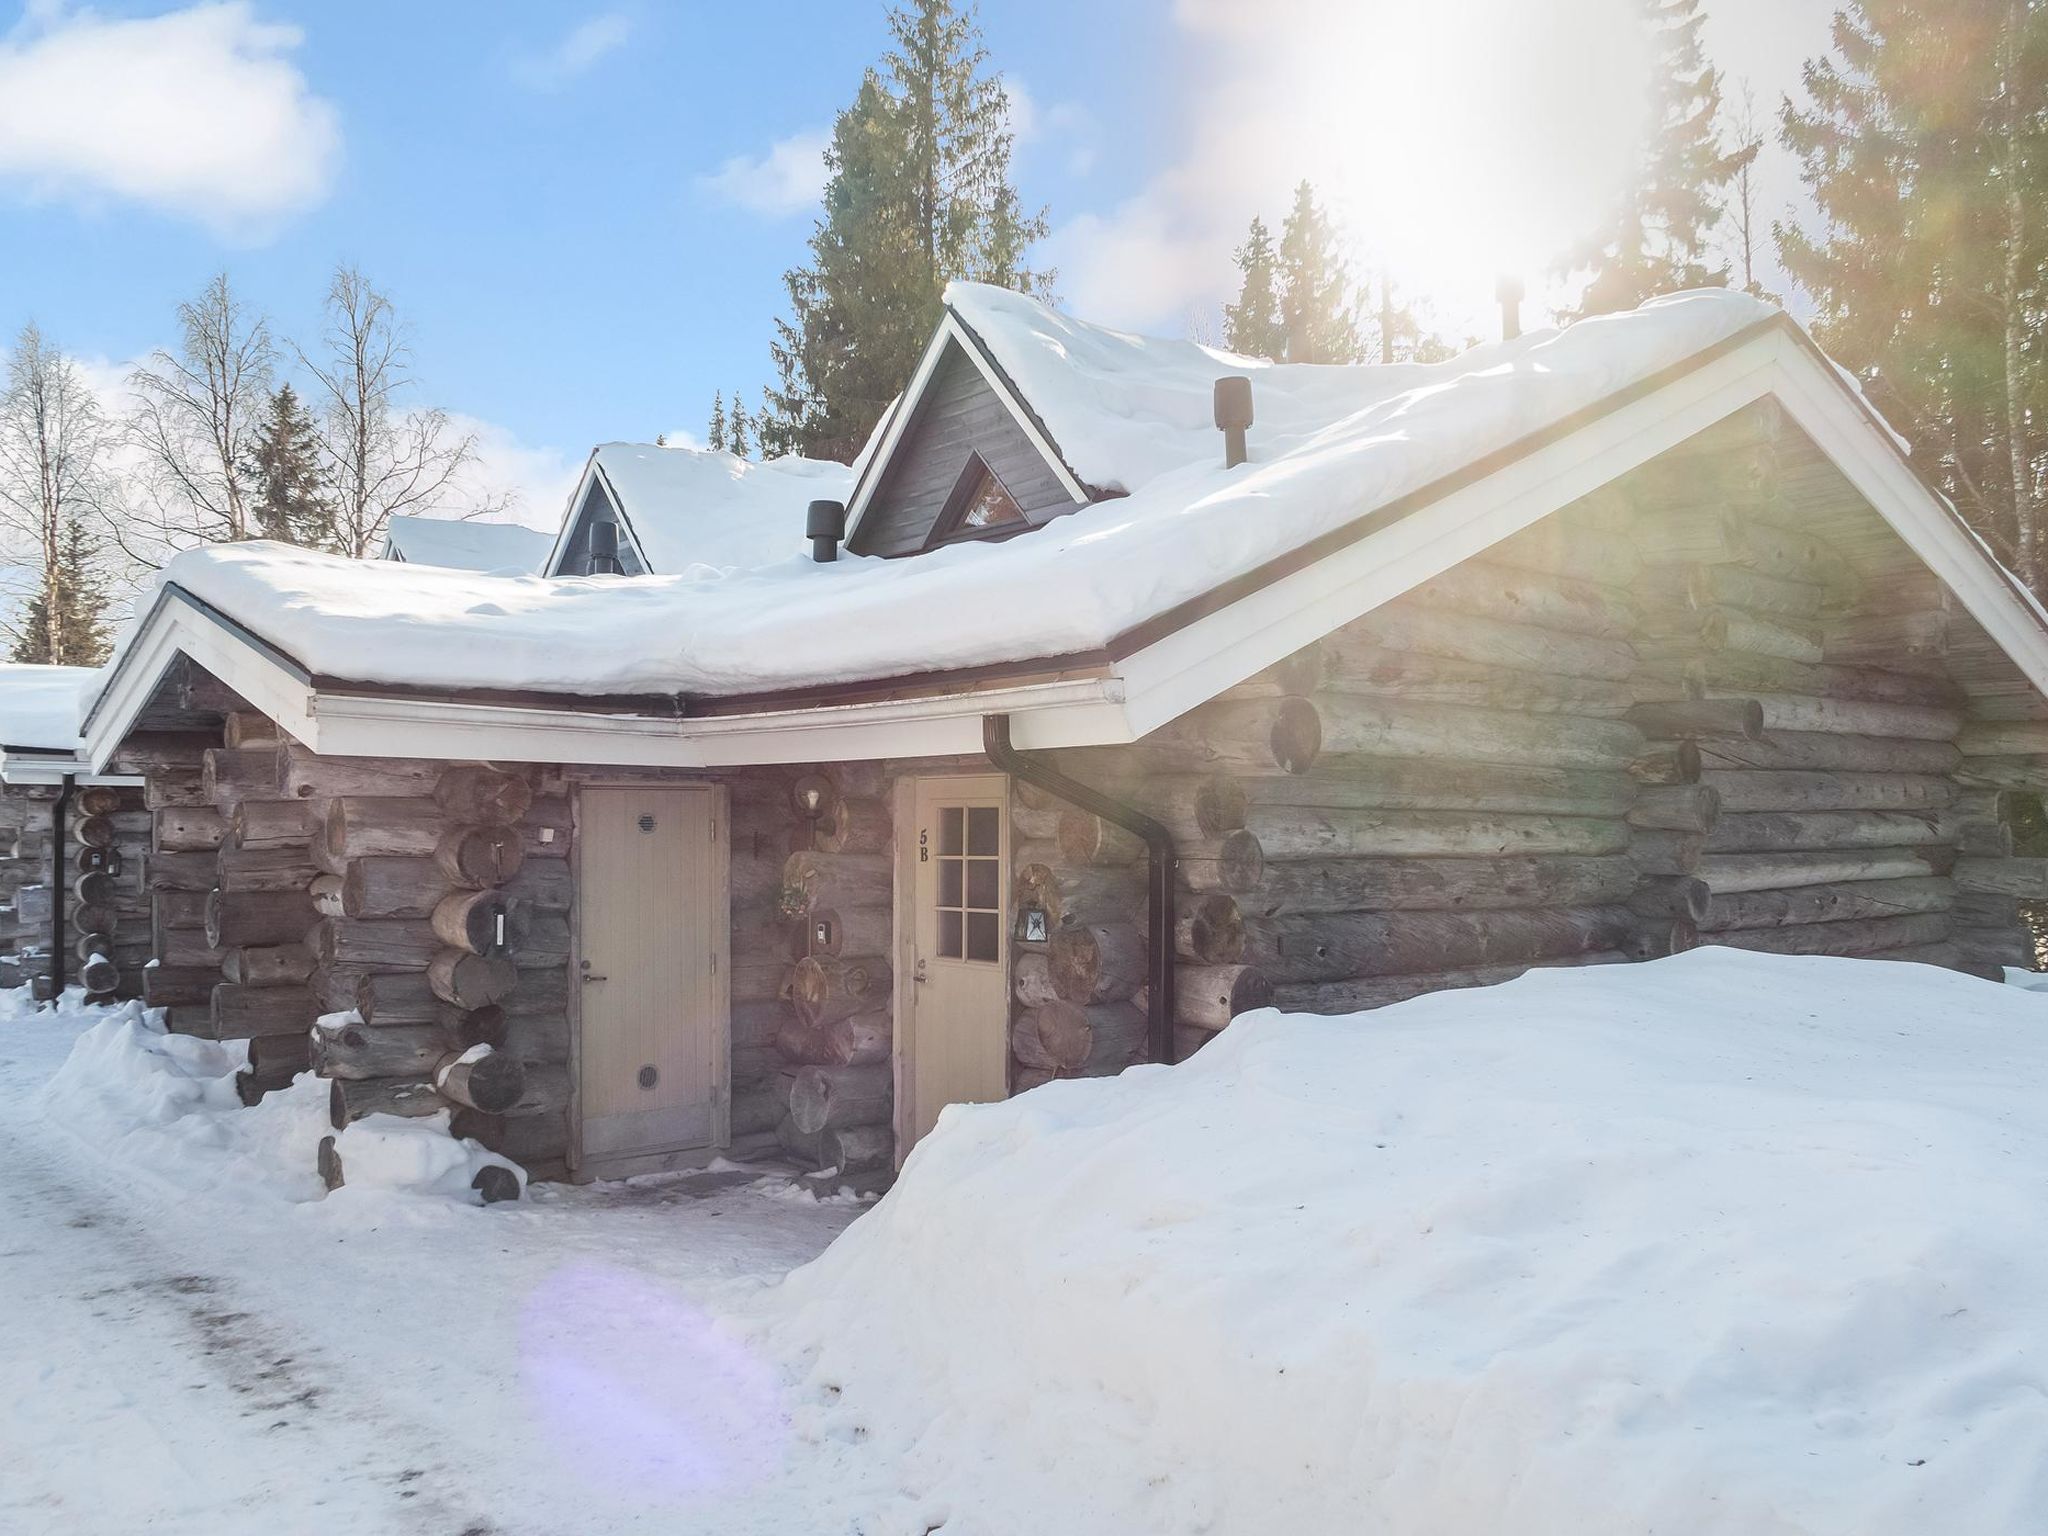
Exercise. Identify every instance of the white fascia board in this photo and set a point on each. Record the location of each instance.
(569, 514)
(1068, 713)
(1221, 649)
(952, 331)
(55, 770)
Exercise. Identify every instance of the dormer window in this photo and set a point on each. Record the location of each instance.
(980, 507)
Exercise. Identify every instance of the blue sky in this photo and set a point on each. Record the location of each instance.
(585, 211)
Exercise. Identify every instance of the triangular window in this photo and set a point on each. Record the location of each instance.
(980, 506)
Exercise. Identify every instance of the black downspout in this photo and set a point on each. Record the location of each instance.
(1163, 869)
(57, 966)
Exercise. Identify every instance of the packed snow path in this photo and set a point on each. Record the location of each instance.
(188, 1349)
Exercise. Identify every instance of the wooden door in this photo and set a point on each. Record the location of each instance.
(956, 1048)
(651, 1038)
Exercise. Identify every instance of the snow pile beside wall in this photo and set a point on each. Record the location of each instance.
(1725, 1243)
(164, 1106)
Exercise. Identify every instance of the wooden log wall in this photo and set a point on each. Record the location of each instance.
(813, 924)
(107, 926)
(26, 863)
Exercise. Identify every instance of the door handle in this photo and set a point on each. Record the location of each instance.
(918, 974)
(588, 978)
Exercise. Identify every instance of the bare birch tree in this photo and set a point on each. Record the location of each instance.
(382, 457)
(1745, 224)
(54, 443)
(194, 428)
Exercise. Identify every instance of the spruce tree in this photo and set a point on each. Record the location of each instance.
(1315, 288)
(290, 501)
(1658, 238)
(738, 429)
(918, 193)
(715, 438)
(75, 590)
(1252, 326)
(1923, 137)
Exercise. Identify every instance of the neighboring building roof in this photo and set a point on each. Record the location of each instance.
(464, 544)
(684, 508)
(40, 709)
(1363, 482)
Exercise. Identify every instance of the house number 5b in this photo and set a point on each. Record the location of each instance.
(924, 845)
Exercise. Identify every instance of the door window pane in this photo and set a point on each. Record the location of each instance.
(949, 882)
(983, 942)
(949, 936)
(984, 831)
(982, 880)
(950, 839)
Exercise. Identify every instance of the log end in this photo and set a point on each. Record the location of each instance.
(495, 1183)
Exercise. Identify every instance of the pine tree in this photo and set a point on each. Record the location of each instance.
(1658, 239)
(918, 193)
(1315, 288)
(290, 501)
(715, 438)
(75, 591)
(1923, 137)
(738, 428)
(1252, 326)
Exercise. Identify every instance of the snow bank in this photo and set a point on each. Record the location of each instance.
(1726, 1243)
(164, 1106)
(1332, 445)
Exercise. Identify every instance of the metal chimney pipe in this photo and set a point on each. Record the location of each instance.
(1233, 406)
(604, 549)
(1508, 289)
(825, 526)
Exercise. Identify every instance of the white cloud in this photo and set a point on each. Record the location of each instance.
(576, 54)
(785, 180)
(198, 112)
(1060, 125)
(535, 481)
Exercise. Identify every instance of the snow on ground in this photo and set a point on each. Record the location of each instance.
(1331, 445)
(1725, 1243)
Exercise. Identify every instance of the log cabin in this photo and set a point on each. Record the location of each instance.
(71, 842)
(1130, 686)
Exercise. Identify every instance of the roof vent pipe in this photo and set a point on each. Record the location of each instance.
(825, 526)
(1233, 416)
(1507, 288)
(604, 549)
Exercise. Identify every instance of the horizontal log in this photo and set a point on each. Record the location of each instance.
(2026, 774)
(344, 1046)
(230, 775)
(171, 872)
(1209, 929)
(98, 975)
(1210, 996)
(158, 753)
(834, 1098)
(1892, 639)
(1666, 853)
(825, 991)
(271, 824)
(410, 1097)
(1099, 964)
(1464, 636)
(543, 885)
(1233, 862)
(272, 965)
(250, 728)
(393, 886)
(1338, 946)
(839, 880)
(1776, 831)
(477, 857)
(1710, 586)
(188, 829)
(2003, 738)
(471, 981)
(1351, 885)
(1260, 735)
(1743, 791)
(94, 832)
(546, 830)
(307, 775)
(1711, 719)
(167, 789)
(1420, 784)
(187, 947)
(1677, 808)
(1991, 951)
(1832, 752)
(1079, 1042)
(478, 921)
(537, 940)
(1668, 896)
(1845, 901)
(1499, 591)
(1377, 728)
(259, 917)
(243, 1012)
(1299, 832)
(1734, 673)
(179, 986)
(861, 824)
(360, 827)
(1855, 717)
(1732, 872)
(830, 933)
(1555, 546)
(847, 1148)
(1074, 893)
(474, 792)
(1085, 838)
(1365, 993)
(1865, 936)
(1725, 628)
(241, 871)
(373, 943)
(326, 893)
(857, 1040)
(1666, 762)
(1420, 678)
(482, 1079)
(2024, 878)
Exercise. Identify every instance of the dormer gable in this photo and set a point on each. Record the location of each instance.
(960, 457)
(594, 503)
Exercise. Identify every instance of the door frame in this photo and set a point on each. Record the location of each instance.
(580, 1169)
(902, 1055)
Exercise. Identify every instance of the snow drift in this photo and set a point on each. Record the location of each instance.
(1725, 1243)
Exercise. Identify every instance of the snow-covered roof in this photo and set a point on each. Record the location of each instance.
(464, 544)
(691, 507)
(39, 706)
(1330, 445)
